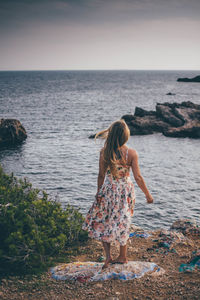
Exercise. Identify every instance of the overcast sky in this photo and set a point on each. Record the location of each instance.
(99, 34)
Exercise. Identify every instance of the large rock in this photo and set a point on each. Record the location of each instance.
(144, 125)
(186, 226)
(166, 113)
(183, 131)
(172, 119)
(194, 79)
(11, 132)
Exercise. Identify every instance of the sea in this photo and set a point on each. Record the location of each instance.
(61, 109)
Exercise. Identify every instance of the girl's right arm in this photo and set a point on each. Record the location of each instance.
(101, 175)
(133, 155)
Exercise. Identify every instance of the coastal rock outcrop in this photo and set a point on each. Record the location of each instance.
(194, 79)
(11, 132)
(171, 119)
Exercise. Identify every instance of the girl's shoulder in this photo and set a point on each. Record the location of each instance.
(132, 156)
(132, 152)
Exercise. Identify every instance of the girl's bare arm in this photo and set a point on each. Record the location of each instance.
(102, 172)
(137, 175)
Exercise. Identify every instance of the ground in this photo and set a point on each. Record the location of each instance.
(173, 284)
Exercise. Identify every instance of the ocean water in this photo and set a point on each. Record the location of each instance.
(60, 109)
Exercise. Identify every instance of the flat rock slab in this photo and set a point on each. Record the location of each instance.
(92, 271)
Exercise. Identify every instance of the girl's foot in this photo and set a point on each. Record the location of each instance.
(120, 260)
(107, 262)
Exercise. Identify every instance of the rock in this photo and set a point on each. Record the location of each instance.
(140, 112)
(166, 113)
(194, 79)
(92, 136)
(186, 226)
(171, 242)
(171, 119)
(145, 125)
(170, 94)
(191, 132)
(11, 132)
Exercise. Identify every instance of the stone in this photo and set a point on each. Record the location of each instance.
(194, 79)
(186, 226)
(166, 113)
(182, 132)
(92, 136)
(170, 94)
(171, 119)
(145, 125)
(11, 132)
(140, 112)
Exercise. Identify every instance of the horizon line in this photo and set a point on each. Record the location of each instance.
(70, 70)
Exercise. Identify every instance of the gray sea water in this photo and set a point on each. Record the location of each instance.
(60, 109)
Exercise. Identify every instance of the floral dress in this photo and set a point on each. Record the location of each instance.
(109, 220)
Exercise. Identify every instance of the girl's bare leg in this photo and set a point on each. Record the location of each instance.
(108, 260)
(122, 258)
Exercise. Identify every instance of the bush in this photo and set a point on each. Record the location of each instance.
(33, 228)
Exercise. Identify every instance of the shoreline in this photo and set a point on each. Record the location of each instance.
(168, 250)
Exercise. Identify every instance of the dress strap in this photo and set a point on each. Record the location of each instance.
(126, 155)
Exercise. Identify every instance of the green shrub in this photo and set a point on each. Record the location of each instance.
(32, 228)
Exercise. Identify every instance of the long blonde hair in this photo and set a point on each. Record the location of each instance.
(116, 136)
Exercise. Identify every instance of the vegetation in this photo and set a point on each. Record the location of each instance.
(33, 229)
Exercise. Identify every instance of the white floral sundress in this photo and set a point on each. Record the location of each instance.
(110, 220)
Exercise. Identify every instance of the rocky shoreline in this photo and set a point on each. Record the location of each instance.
(174, 250)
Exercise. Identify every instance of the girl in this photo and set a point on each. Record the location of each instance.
(109, 218)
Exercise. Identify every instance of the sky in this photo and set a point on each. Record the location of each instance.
(99, 34)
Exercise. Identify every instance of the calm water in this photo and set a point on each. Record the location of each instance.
(60, 109)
